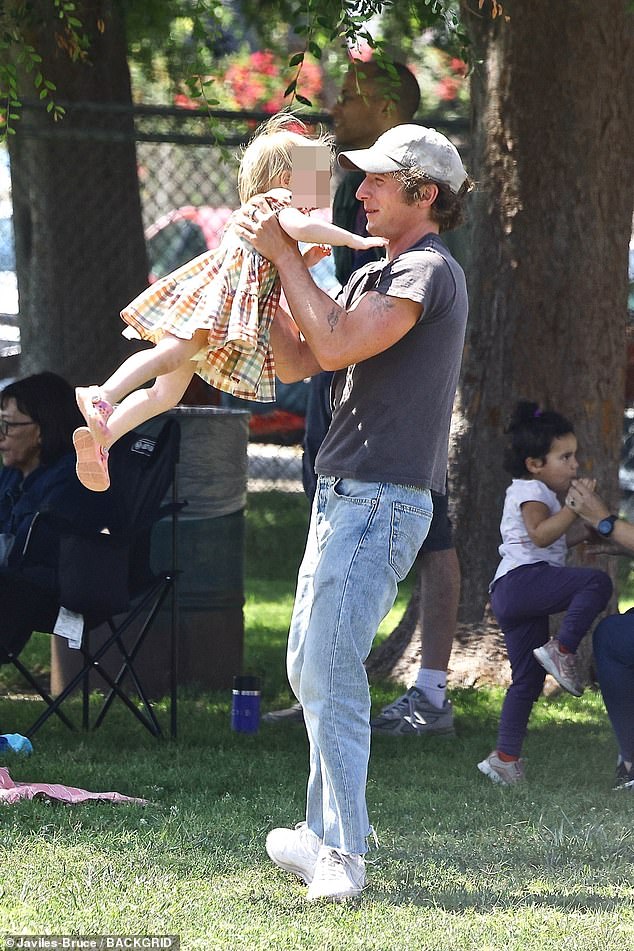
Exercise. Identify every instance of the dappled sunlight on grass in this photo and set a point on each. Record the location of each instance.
(462, 864)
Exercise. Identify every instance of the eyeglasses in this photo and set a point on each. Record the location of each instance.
(345, 98)
(6, 424)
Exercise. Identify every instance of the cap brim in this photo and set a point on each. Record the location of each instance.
(368, 160)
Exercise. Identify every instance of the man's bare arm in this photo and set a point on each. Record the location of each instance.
(294, 359)
(337, 337)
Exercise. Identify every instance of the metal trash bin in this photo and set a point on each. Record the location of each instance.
(212, 479)
(210, 546)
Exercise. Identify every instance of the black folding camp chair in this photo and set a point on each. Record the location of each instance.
(109, 580)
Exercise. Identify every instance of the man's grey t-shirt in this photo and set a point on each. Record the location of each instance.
(392, 412)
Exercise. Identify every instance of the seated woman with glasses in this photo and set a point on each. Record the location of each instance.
(37, 417)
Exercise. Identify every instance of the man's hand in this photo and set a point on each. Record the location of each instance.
(257, 223)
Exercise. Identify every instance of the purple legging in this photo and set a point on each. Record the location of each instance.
(613, 643)
(522, 602)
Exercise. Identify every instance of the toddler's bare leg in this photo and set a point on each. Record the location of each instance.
(169, 360)
(169, 354)
(144, 404)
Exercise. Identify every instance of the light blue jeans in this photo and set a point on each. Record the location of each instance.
(363, 539)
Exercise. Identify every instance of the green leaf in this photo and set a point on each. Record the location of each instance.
(290, 88)
(304, 101)
(296, 59)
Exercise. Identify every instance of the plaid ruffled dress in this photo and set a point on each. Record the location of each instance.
(233, 293)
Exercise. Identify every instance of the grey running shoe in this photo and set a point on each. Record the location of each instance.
(624, 778)
(338, 876)
(293, 714)
(506, 774)
(413, 715)
(563, 667)
(294, 850)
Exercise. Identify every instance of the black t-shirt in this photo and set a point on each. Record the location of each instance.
(392, 412)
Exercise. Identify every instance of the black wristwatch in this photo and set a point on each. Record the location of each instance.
(606, 525)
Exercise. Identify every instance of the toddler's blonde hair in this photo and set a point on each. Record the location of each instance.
(268, 154)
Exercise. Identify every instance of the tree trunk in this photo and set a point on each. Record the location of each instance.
(79, 237)
(552, 154)
(552, 132)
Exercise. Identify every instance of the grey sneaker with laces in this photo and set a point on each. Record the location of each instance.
(293, 714)
(413, 715)
(563, 667)
(506, 774)
(338, 876)
(294, 850)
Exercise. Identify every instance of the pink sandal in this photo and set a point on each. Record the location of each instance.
(95, 410)
(92, 461)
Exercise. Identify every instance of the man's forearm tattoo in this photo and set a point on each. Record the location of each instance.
(333, 318)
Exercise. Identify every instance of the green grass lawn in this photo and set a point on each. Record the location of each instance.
(462, 864)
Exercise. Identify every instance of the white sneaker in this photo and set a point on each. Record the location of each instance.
(337, 876)
(507, 774)
(295, 850)
(563, 667)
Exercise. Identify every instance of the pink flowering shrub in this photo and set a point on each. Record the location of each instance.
(257, 81)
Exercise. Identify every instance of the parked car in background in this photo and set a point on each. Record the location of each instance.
(8, 280)
(629, 332)
(183, 234)
(9, 330)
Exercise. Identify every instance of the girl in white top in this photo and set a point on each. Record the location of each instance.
(532, 580)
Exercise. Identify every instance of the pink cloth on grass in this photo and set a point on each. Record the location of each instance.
(11, 792)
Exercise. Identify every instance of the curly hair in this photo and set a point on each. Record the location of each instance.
(532, 431)
(448, 208)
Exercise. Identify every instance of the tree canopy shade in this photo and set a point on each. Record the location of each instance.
(188, 36)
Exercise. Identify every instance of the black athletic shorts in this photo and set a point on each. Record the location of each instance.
(440, 534)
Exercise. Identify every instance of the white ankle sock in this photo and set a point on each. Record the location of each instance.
(433, 683)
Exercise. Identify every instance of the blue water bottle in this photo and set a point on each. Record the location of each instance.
(245, 704)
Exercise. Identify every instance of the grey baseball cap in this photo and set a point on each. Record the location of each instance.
(406, 146)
